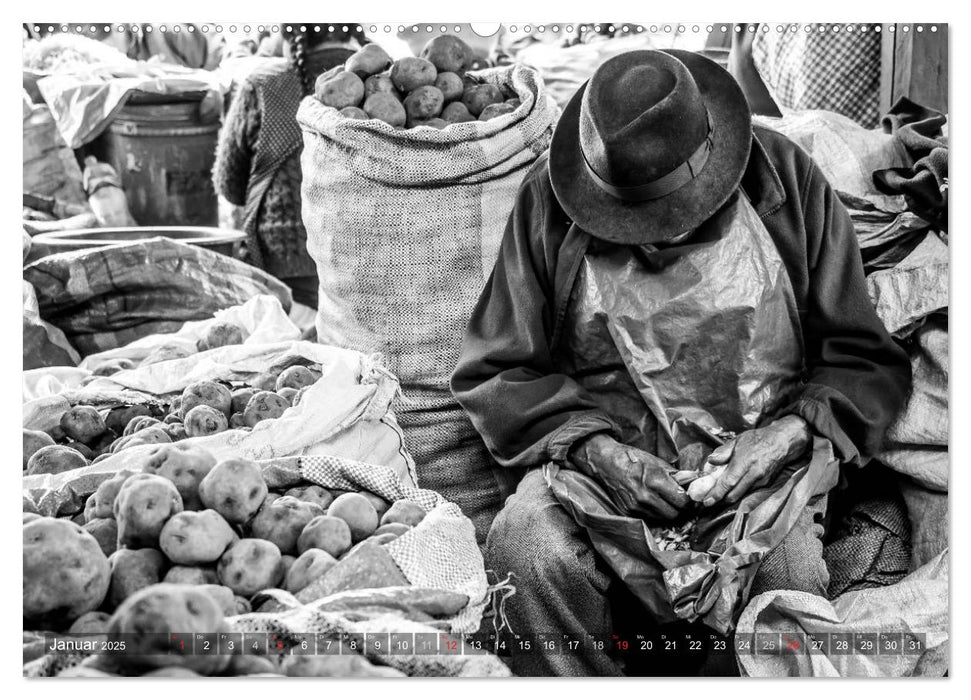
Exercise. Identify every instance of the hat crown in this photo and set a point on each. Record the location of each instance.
(641, 117)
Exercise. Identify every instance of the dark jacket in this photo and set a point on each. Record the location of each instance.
(528, 413)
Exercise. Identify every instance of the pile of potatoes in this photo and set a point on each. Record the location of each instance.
(432, 90)
(184, 528)
(87, 434)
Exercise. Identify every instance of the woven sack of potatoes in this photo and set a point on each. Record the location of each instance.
(405, 226)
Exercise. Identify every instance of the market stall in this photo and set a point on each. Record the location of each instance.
(246, 292)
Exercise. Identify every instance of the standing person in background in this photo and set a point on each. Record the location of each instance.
(796, 69)
(258, 158)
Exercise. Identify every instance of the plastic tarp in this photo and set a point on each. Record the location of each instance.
(85, 101)
(710, 581)
(916, 605)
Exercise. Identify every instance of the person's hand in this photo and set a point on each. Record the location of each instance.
(640, 483)
(754, 458)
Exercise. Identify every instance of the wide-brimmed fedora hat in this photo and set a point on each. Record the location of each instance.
(651, 146)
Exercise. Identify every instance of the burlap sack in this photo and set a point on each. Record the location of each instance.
(405, 227)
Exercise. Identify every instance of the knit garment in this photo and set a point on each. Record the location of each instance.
(278, 241)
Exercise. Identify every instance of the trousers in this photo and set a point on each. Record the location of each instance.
(564, 587)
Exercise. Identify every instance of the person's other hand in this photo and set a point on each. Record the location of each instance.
(640, 483)
(754, 458)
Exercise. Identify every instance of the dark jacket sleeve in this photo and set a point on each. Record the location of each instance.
(525, 410)
(237, 142)
(858, 377)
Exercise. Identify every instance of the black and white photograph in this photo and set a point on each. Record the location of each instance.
(375, 349)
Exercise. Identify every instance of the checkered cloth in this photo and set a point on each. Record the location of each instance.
(440, 553)
(838, 71)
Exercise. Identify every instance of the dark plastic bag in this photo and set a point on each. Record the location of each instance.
(710, 585)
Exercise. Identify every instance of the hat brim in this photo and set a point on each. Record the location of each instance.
(635, 223)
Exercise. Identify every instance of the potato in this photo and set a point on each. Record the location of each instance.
(110, 367)
(325, 532)
(380, 505)
(386, 107)
(152, 435)
(94, 622)
(107, 491)
(456, 113)
(282, 521)
(171, 672)
(82, 423)
(33, 441)
(193, 538)
(450, 85)
(139, 423)
(424, 102)
(341, 90)
(379, 83)
(411, 72)
(102, 445)
(308, 567)
(105, 531)
(448, 53)
(478, 97)
(405, 512)
(206, 394)
(287, 560)
(358, 512)
(175, 406)
(236, 422)
(164, 353)
(176, 431)
(370, 59)
(143, 504)
(119, 418)
(496, 110)
(352, 666)
(205, 420)
(514, 102)
(235, 489)
(288, 394)
(193, 575)
(89, 507)
(221, 334)
(133, 570)
(55, 459)
(264, 382)
(434, 123)
(239, 399)
(148, 619)
(250, 566)
(65, 573)
(185, 466)
(223, 595)
(85, 451)
(312, 494)
(242, 605)
(264, 405)
(296, 377)
(396, 529)
(354, 113)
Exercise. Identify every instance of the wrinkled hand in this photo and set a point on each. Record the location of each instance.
(640, 483)
(754, 458)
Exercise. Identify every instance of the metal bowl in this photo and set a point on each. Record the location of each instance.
(220, 240)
